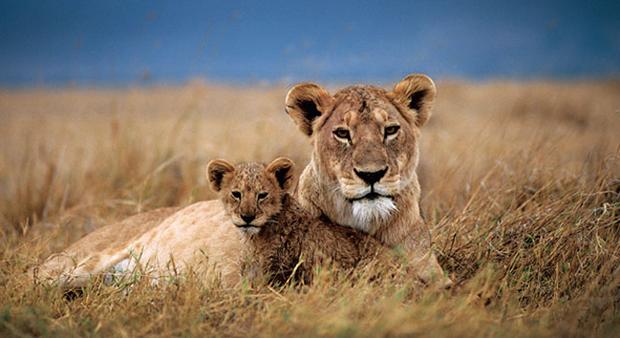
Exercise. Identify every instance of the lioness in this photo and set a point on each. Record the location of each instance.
(282, 240)
(362, 172)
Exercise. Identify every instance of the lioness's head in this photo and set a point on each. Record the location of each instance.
(251, 192)
(365, 143)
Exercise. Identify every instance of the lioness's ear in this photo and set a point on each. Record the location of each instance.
(416, 92)
(306, 102)
(282, 170)
(219, 173)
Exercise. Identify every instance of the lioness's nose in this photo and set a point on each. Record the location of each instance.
(371, 177)
(248, 218)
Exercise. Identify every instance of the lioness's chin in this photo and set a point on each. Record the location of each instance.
(367, 211)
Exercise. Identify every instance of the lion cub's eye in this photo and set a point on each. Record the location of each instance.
(391, 130)
(262, 195)
(236, 194)
(343, 134)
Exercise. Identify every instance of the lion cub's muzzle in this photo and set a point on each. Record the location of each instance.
(248, 223)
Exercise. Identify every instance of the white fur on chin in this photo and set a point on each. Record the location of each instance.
(366, 212)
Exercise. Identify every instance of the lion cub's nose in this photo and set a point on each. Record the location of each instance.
(248, 218)
(371, 177)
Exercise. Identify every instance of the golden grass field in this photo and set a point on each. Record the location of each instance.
(521, 188)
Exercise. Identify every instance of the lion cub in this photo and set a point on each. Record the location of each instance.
(282, 240)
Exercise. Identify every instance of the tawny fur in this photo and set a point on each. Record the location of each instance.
(199, 237)
(329, 184)
(97, 251)
(294, 244)
(287, 242)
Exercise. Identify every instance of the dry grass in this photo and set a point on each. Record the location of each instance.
(521, 189)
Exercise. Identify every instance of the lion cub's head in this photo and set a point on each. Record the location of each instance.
(251, 192)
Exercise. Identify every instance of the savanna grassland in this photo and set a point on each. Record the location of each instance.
(521, 189)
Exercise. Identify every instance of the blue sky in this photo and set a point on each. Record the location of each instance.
(128, 42)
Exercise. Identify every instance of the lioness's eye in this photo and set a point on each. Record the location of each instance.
(342, 133)
(236, 195)
(262, 195)
(391, 130)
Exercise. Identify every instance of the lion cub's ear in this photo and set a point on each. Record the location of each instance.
(219, 173)
(416, 92)
(305, 103)
(282, 170)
